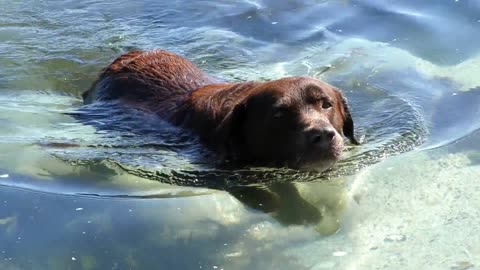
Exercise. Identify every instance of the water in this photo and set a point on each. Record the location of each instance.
(89, 187)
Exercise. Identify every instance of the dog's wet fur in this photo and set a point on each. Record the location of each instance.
(294, 121)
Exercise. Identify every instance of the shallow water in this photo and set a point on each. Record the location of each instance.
(121, 190)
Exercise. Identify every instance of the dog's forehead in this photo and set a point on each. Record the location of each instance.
(291, 92)
(301, 88)
(317, 86)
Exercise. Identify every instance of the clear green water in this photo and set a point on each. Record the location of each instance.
(73, 196)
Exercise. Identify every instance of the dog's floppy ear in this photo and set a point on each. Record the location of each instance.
(348, 126)
(229, 135)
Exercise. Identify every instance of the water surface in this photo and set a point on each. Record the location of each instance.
(123, 190)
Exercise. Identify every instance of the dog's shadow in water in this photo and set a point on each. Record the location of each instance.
(319, 204)
(282, 200)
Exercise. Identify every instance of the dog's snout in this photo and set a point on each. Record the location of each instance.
(321, 135)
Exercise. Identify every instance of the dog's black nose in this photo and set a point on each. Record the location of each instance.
(321, 135)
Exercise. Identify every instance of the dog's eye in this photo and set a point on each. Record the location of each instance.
(326, 104)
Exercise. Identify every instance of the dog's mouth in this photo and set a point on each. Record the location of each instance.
(320, 158)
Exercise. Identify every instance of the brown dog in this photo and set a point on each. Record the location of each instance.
(294, 121)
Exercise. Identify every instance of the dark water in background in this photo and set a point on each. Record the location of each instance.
(76, 197)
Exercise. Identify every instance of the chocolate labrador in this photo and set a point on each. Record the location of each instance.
(294, 121)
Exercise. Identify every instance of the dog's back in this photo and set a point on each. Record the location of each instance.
(156, 81)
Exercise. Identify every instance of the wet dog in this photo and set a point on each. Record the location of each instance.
(294, 121)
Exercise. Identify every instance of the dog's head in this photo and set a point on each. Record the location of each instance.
(295, 122)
